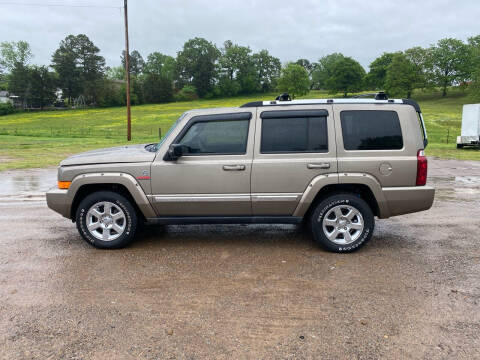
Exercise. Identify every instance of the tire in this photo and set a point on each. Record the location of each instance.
(459, 146)
(338, 230)
(106, 220)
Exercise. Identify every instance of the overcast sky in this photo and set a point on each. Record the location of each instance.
(287, 29)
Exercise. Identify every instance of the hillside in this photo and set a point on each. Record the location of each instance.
(44, 138)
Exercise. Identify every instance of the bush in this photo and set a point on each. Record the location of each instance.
(157, 89)
(110, 94)
(6, 108)
(188, 93)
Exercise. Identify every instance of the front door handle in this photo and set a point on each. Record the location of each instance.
(233, 167)
(318, 166)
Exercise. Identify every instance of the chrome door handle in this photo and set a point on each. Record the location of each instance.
(233, 167)
(318, 166)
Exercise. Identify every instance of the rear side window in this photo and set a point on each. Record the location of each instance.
(294, 134)
(371, 130)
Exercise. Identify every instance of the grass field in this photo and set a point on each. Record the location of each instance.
(44, 138)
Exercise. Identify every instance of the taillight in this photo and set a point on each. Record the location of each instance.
(421, 168)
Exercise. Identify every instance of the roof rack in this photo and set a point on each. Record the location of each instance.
(380, 98)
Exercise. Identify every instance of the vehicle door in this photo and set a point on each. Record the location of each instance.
(212, 178)
(293, 145)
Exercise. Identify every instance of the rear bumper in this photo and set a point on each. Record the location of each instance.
(405, 200)
(57, 201)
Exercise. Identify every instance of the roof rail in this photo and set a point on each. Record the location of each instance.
(380, 98)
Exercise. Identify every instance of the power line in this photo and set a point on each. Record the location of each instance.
(59, 5)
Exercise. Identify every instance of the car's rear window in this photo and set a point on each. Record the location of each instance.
(294, 134)
(371, 130)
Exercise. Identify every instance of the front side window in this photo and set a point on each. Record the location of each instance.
(371, 130)
(216, 138)
(295, 134)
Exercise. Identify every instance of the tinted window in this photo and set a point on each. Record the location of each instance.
(299, 134)
(217, 137)
(371, 130)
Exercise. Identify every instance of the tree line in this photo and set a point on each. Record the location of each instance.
(203, 70)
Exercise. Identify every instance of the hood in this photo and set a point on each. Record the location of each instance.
(119, 154)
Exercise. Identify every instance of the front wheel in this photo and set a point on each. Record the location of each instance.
(342, 223)
(106, 220)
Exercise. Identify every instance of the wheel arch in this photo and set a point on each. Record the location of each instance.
(360, 190)
(363, 185)
(121, 183)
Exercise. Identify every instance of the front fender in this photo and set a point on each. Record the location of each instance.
(130, 183)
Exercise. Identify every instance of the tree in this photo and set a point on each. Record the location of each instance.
(294, 80)
(237, 69)
(157, 88)
(305, 63)
(449, 60)
(12, 53)
(19, 82)
(160, 64)
(35, 86)
(474, 45)
(400, 79)
(378, 71)
(322, 70)
(111, 92)
(310, 67)
(347, 76)
(267, 70)
(135, 62)
(196, 64)
(115, 73)
(42, 87)
(419, 58)
(78, 66)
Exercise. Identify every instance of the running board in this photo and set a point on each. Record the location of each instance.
(186, 220)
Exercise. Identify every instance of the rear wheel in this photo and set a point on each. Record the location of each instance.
(342, 223)
(106, 220)
(459, 146)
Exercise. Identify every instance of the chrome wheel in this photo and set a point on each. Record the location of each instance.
(106, 221)
(343, 224)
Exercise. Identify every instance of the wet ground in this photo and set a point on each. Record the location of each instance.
(238, 292)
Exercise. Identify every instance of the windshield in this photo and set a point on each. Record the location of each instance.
(171, 129)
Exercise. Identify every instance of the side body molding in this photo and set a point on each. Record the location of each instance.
(127, 180)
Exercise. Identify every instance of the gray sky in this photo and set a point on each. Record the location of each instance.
(287, 29)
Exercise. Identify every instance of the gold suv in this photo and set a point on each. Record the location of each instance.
(336, 163)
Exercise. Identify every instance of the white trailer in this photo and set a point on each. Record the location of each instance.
(470, 135)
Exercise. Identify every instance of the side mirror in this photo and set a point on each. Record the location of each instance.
(175, 151)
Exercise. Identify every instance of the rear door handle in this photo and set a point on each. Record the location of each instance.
(318, 166)
(233, 167)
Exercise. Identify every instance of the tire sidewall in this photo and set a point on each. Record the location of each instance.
(342, 199)
(122, 203)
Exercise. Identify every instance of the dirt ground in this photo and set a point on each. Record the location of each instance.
(242, 292)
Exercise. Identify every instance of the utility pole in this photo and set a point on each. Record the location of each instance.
(127, 71)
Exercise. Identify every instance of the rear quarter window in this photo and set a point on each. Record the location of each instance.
(371, 130)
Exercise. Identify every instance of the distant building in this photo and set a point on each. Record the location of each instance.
(5, 97)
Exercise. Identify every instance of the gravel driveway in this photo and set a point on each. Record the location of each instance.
(243, 291)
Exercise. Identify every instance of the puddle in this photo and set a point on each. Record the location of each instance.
(470, 180)
(26, 184)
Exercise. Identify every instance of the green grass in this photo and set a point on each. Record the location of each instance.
(42, 139)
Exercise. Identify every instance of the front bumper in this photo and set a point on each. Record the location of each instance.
(57, 201)
(405, 200)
